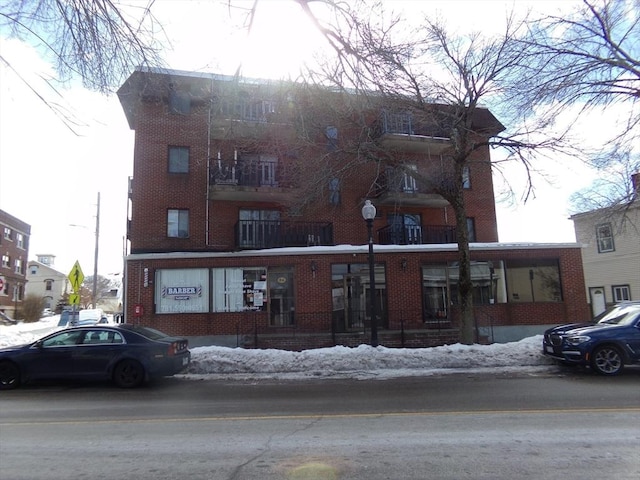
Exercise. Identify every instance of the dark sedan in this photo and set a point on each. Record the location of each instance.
(607, 345)
(126, 354)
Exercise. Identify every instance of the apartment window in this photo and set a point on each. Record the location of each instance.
(259, 170)
(466, 177)
(178, 159)
(18, 266)
(604, 235)
(408, 183)
(332, 138)
(259, 228)
(33, 270)
(471, 228)
(48, 285)
(177, 223)
(621, 293)
(334, 191)
(179, 102)
(6, 261)
(20, 240)
(7, 233)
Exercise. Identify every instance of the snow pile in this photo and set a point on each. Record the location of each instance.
(360, 362)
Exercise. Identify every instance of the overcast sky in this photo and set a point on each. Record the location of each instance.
(50, 176)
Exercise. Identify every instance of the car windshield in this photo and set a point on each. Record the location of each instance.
(620, 315)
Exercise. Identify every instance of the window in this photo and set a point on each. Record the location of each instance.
(533, 280)
(259, 170)
(408, 181)
(179, 102)
(48, 285)
(621, 293)
(7, 233)
(6, 261)
(466, 177)
(259, 228)
(18, 266)
(20, 240)
(33, 269)
(178, 223)
(178, 159)
(182, 290)
(332, 138)
(239, 289)
(604, 235)
(334, 191)
(471, 229)
(404, 229)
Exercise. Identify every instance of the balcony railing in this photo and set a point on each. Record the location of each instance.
(405, 131)
(416, 234)
(408, 124)
(252, 173)
(400, 186)
(257, 234)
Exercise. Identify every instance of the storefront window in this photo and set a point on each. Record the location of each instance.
(533, 280)
(182, 290)
(239, 289)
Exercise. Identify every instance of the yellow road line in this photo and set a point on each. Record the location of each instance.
(327, 416)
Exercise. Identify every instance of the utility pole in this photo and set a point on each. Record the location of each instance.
(94, 293)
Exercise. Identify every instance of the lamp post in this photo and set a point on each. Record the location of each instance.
(369, 213)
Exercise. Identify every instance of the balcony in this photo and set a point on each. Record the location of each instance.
(402, 131)
(252, 178)
(258, 234)
(398, 187)
(250, 118)
(416, 234)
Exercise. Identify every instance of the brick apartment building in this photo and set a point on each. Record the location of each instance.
(242, 224)
(14, 248)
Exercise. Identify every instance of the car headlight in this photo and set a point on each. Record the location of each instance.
(578, 339)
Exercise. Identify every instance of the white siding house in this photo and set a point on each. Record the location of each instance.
(610, 254)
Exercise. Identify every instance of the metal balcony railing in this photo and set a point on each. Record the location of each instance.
(408, 124)
(246, 173)
(416, 234)
(259, 234)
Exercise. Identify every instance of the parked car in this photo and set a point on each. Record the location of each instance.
(126, 354)
(606, 345)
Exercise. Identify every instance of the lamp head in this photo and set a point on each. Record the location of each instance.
(368, 210)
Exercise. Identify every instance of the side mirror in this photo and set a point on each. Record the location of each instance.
(39, 344)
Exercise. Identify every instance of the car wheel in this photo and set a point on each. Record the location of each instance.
(128, 374)
(607, 360)
(9, 376)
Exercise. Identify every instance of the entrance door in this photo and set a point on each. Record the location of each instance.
(348, 303)
(598, 302)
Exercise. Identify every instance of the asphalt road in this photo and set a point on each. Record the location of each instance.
(564, 425)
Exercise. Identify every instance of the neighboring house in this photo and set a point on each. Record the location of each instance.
(223, 241)
(46, 282)
(14, 248)
(611, 252)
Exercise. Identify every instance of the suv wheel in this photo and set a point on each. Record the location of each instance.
(607, 360)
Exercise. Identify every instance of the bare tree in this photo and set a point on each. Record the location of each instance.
(98, 41)
(590, 59)
(440, 83)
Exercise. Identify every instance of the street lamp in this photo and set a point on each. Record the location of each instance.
(369, 213)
